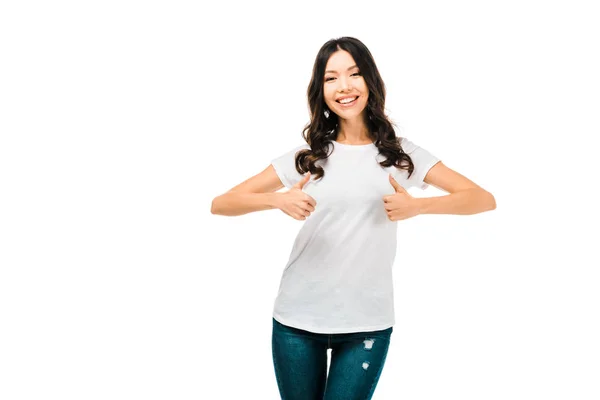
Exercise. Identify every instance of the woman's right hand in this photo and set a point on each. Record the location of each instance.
(295, 202)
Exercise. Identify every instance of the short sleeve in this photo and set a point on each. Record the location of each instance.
(423, 161)
(285, 166)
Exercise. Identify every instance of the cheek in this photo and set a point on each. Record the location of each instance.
(365, 97)
(327, 95)
(364, 89)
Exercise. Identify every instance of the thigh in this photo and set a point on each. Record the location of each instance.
(357, 360)
(300, 362)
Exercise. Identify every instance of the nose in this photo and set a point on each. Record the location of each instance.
(344, 85)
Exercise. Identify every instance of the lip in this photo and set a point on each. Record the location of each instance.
(352, 104)
(346, 97)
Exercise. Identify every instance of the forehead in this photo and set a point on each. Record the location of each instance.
(339, 61)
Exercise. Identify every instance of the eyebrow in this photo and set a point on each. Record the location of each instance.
(354, 66)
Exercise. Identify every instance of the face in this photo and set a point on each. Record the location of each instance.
(342, 80)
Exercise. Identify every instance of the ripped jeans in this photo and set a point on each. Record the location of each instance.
(300, 361)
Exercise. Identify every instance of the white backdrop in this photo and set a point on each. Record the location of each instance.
(120, 122)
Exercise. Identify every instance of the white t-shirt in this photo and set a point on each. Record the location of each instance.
(338, 278)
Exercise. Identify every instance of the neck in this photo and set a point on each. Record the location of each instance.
(353, 131)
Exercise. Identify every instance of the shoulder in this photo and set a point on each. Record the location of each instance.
(298, 147)
(286, 154)
(407, 145)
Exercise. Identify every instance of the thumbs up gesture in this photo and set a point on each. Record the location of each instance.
(300, 184)
(399, 205)
(295, 202)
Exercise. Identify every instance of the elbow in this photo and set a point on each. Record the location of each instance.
(491, 201)
(214, 207)
(483, 201)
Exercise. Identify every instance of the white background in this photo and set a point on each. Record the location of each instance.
(120, 122)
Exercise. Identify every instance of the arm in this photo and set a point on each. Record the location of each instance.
(239, 203)
(254, 194)
(466, 197)
(464, 202)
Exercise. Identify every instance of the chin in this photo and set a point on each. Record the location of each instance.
(348, 114)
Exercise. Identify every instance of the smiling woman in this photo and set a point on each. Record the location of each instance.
(348, 183)
(345, 91)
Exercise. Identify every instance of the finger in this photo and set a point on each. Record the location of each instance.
(306, 178)
(298, 215)
(302, 211)
(396, 185)
(311, 201)
(302, 181)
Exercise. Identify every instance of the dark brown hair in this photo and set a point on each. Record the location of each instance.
(323, 125)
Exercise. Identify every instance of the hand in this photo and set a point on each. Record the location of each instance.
(295, 202)
(400, 205)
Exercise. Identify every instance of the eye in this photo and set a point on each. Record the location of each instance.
(330, 78)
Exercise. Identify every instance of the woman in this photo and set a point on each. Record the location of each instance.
(348, 183)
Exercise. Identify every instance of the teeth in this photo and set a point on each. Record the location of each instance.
(349, 100)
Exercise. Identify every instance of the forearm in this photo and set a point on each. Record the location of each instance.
(239, 203)
(464, 202)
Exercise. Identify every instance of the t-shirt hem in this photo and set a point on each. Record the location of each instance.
(281, 175)
(422, 184)
(326, 330)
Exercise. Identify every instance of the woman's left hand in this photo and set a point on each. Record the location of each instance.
(400, 205)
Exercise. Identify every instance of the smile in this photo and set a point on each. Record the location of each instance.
(347, 103)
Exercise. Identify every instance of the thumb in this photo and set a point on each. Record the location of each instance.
(303, 181)
(396, 185)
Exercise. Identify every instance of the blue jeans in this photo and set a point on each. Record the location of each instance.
(300, 361)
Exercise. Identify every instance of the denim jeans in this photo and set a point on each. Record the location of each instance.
(300, 361)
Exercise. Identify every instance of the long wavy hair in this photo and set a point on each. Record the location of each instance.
(324, 123)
